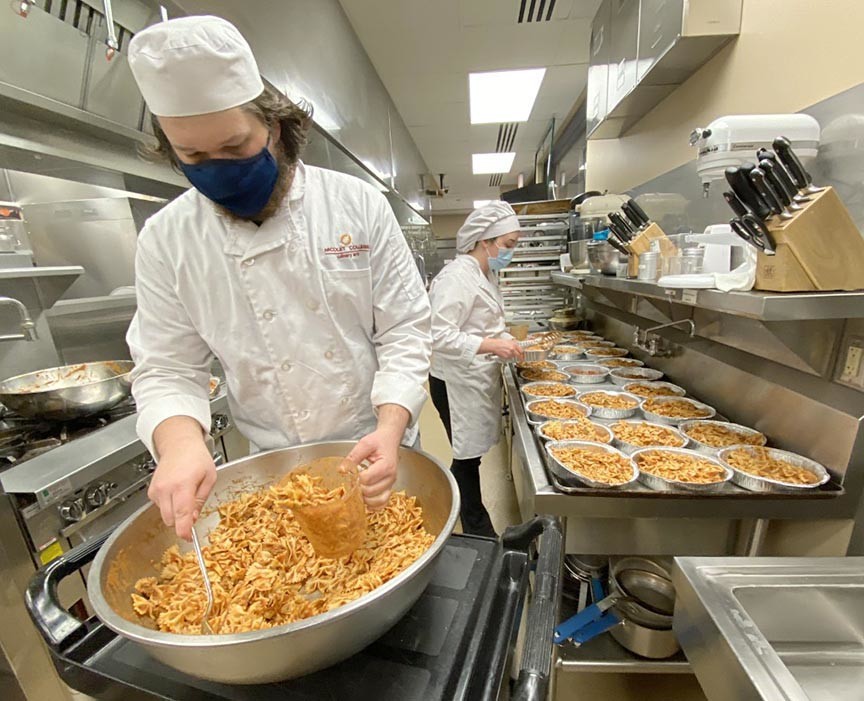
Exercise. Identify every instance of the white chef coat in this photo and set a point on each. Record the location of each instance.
(466, 308)
(317, 316)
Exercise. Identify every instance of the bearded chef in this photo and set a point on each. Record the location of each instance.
(468, 338)
(297, 279)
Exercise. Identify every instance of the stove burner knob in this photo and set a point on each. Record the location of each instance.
(72, 510)
(146, 464)
(97, 494)
(220, 423)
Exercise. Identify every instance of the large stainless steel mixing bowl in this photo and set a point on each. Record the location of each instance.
(70, 392)
(285, 651)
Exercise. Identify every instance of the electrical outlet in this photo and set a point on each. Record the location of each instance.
(852, 364)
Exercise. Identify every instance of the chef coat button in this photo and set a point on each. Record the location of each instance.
(345, 401)
(286, 366)
(312, 305)
(329, 355)
(269, 314)
(248, 262)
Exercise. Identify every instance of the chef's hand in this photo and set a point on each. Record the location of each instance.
(381, 449)
(185, 474)
(504, 348)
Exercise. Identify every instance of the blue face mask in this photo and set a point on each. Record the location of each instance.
(242, 186)
(503, 259)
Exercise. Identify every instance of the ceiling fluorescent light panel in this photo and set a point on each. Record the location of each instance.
(504, 96)
(487, 163)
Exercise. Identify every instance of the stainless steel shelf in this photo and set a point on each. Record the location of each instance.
(50, 281)
(605, 655)
(764, 306)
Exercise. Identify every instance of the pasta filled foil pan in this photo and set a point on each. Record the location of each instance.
(571, 476)
(720, 473)
(135, 550)
(719, 432)
(754, 482)
(663, 432)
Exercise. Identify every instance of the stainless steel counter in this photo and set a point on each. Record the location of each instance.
(648, 522)
(773, 628)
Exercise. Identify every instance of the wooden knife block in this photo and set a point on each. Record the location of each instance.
(642, 243)
(820, 249)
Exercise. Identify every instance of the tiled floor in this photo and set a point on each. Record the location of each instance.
(495, 481)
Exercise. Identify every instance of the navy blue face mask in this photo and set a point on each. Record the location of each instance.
(241, 185)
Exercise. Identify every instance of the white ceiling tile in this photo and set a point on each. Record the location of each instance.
(423, 52)
(488, 12)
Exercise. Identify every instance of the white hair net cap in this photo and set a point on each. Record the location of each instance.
(194, 65)
(487, 222)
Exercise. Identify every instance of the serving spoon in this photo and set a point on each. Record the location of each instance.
(205, 625)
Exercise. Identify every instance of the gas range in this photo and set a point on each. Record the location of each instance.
(23, 439)
(68, 482)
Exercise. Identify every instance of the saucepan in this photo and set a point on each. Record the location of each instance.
(285, 651)
(69, 392)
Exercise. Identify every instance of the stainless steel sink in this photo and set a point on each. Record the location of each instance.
(773, 628)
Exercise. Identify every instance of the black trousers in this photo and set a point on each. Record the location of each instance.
(475, 517)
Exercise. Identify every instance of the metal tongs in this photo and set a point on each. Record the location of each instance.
(205, 625)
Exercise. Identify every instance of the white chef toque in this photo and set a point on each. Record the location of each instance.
(487, 222)
(194, 65)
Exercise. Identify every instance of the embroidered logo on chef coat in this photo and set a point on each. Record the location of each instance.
(347, 247)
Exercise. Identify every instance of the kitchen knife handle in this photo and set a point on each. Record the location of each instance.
(745, 234)
(783, 176)
(760, 232)
(639, 212)
(770, 170)
(735, 204)
(622, 223)
(635, 213)
(630, 216)
(783, 149)
(742, 187)
(614, 242)
(766, 192)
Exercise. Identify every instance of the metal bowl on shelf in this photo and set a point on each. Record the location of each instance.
(624, 376)
(602, 257)
(571, 478)
(710, 450)
(663, 484)
(708, 411)
(754, 483)
(286, 651)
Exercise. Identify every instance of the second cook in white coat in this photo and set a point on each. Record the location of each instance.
(468, 338)
(297, 279)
